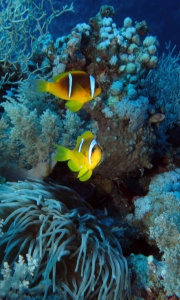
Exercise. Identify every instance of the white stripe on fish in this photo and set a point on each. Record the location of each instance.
(91, 146)
(70, 85)
(80, 146)
(92, 85)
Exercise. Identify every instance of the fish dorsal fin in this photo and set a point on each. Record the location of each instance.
(64, 74)
(59, 76)
(82, 138)
(74, 106)
(87, 135)
(78, 72)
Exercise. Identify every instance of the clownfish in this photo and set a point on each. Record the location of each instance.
(77, 87)
(83, 158)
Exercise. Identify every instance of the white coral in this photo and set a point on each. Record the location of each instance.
(17, 281)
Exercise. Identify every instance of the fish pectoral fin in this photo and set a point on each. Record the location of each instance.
(86, 176)
(75, 161)
(62, 153)
(82, 171)
(73, 166)
(74, 106)
(83, 93)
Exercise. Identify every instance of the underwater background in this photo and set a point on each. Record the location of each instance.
(90, 150)
(162, 17)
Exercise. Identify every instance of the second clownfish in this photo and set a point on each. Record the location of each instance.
(83, 158)
(77, 87)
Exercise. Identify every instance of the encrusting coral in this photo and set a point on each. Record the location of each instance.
(75, 256)
(158, 216)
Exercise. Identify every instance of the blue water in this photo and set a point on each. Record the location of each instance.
(162, 17)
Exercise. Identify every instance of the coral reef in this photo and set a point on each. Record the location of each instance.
(146, 278)
(72, 251)
(120, 59)
(124, 150)
(127, 134)
(158, 215)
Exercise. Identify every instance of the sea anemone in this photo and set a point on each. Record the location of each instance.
(77, 256)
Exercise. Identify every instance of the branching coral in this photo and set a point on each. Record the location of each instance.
(76, 254)
(20, 24)
(29, 136)
(18, 281)
(31, 126)
(163, 84)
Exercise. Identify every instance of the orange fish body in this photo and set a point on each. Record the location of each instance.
(77, 87)
(83, 158)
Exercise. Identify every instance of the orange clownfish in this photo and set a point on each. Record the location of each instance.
(83, 158)
(77, 87)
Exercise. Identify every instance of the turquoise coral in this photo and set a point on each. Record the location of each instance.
(159, 212)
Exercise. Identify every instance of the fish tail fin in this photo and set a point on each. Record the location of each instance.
(39, 85)
(62, 154)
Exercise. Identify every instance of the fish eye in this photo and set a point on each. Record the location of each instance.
(94, 148)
